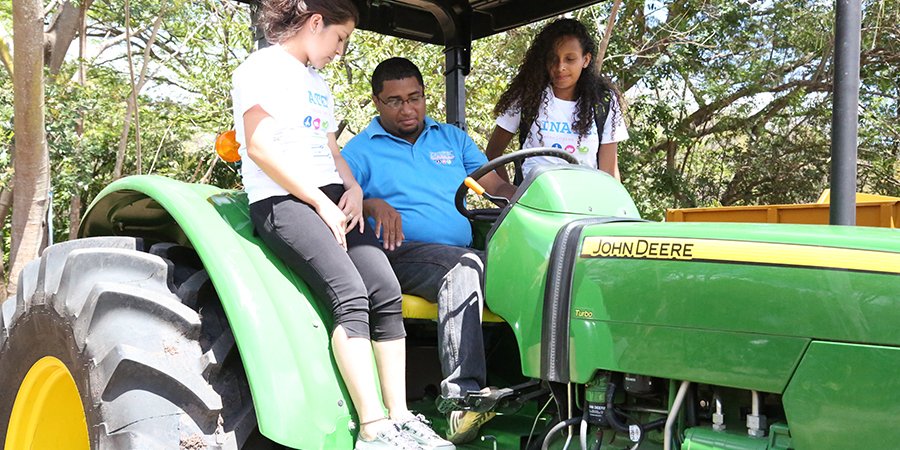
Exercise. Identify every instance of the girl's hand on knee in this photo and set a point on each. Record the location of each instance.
(351, 205)
(336, 221)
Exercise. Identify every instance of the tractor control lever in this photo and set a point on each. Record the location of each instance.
(479, 190)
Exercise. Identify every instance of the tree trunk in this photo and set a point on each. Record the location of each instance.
(31, 160)
(60, 35)
(611, 22)
(6, 198)
(131, 107)
(74, 215)
(134, 89)
(209, 171)
(6, 57)
(75, 201)
(123, 141)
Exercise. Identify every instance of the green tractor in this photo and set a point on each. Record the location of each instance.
(169, 325)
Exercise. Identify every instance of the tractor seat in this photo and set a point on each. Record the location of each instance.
(415, 307)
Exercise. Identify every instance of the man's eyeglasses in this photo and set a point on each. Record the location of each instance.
(397, 103)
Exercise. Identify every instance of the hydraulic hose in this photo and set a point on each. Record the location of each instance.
(584, 427)
(617, 424)
(755, 403)
(610, 417)
(673, 413)
(565, 423)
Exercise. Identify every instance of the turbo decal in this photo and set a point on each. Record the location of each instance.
(583, 313)
(746, 252)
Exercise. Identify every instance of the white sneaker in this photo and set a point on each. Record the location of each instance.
(419, 429)
(390, 438)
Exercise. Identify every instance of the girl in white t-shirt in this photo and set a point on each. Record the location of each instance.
(307, 207)
(556, 100)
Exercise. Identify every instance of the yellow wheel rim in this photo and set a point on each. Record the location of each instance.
(47, 413)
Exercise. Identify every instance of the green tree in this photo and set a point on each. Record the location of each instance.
(728, 102)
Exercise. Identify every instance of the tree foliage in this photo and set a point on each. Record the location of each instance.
(731, 101)
(728, 102)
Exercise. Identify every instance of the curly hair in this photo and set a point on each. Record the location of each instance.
(526, 92)
(281, 19)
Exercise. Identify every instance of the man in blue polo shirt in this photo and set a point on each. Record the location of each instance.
(409, 167)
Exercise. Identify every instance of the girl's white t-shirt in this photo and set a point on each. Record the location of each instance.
(302, 106)
(555, 121)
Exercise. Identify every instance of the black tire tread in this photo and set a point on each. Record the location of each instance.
(126, 367)
(144, 306)
(86, 267)
(136, 345)
(7, 310)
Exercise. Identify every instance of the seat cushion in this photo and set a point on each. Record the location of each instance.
(415, 307)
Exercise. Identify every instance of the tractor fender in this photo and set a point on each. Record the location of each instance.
(281, 332)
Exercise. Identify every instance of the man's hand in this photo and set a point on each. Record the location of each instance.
(386, 218)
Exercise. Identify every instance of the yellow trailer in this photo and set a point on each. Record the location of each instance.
(871, 211)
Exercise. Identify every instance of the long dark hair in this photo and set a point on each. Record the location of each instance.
(281, 19)
(526, 92)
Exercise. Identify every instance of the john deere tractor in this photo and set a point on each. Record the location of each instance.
(169, 325)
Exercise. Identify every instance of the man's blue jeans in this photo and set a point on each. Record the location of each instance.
(453, 278)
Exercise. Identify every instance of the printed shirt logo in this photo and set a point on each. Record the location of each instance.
(317, 99)
(557, 127)
(444, 158)
(571, 149)
(557, 130)
(310, 122)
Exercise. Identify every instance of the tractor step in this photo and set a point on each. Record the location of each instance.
(500, 400)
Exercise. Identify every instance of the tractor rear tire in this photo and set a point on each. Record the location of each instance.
(151, 368)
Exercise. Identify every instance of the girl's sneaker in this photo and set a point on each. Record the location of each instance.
(389, 438)
(419, 429)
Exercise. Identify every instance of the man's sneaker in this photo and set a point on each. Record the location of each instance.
(419, 429)
(464, 425)
(389, 438)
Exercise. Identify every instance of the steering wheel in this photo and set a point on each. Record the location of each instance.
(517, 156)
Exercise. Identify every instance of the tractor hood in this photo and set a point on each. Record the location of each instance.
(725, 303)
(740, 302)
(576, 190)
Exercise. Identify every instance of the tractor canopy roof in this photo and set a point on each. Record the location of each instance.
(447, 22)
